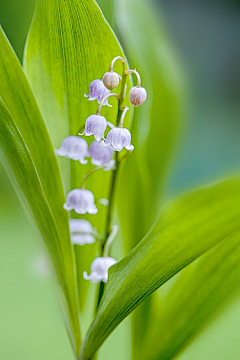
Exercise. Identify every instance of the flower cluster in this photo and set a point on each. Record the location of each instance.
(102, 152)
(76, 148)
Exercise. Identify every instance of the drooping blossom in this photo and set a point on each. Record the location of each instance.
(99, 269)
(81, 232)
(97, 91)
(73, 147)
(95, 125)
(101, 156)
(82, 201)
(118, 138)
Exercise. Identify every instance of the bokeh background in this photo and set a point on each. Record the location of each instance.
(205, 37)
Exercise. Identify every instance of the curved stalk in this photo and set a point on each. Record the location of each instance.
(114, 172)
(89, 174)
(110, 240)
(137, 75)
(114, 60)
(103, 101)
(123, 116)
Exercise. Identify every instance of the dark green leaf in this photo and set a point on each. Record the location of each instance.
(29, 160)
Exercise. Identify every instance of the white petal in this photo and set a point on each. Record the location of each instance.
(93, 277)
(83, 161)
(99, 269)
(82, 201)
(92, 210)
(66, 207)
(129, 147)
(104, 143)
(96, 162)
(73, 147)
(82, 239)
(109, 166)
(80, 225)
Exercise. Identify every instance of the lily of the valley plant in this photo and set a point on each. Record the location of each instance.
(101, 151)
(90, 176)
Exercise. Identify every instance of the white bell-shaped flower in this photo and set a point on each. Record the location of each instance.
(97, 91)
(82, 201)
(95, 125)
(101, 156)
(73, 147)
(99, 269)
(118, 138)
(81, 232)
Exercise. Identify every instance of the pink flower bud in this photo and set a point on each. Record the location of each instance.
(137, 96)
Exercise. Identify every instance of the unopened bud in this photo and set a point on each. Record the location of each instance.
(137, 96)
(111, 80)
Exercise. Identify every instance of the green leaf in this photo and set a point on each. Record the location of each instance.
(188, 228)
(69, 45)
(194, 297)
(29, 160)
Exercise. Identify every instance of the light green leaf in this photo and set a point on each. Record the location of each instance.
(29, 160)
(188, 228)
(69, 45)
(195, 296)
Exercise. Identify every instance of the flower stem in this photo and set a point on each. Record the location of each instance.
(114, 172)
(89, 174)
(110, 240)
(123, 116)
(111, 199)
(121, 110)
(122, 96)
(125, 156)
(103, 101)
(113, 62)
(137, 75)
(109, 124)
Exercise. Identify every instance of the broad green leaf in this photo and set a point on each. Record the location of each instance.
(69, 45)
(29, 160)
(197, 294)
(188, 228)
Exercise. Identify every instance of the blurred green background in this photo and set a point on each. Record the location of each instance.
(205, 35)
